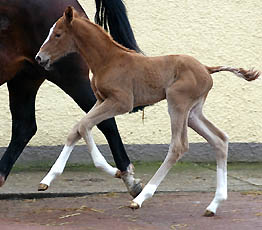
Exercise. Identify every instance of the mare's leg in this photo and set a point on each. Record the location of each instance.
(22, 92)
(178, 107)
(219, 141)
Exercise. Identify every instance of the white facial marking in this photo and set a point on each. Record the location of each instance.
(49, 35)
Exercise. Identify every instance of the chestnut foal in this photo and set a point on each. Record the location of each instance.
(123, 79)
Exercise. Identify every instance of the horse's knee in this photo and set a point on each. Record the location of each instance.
(180, 147)
(82, 129)
(31, 131)
(73, 136)
(24, 131)
(176, 151)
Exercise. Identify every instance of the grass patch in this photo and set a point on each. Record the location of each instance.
(45, 166)
(139, 166)
(237, 166)
(142, 167)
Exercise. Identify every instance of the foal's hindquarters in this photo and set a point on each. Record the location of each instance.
(186, 96)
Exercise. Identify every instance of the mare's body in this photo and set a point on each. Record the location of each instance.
(24, 25)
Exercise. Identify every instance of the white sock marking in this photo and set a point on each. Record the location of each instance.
(221, 191)
(98, 159)
(146, 193)
(58, 167)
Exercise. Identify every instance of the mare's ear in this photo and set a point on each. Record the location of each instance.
(69, 14)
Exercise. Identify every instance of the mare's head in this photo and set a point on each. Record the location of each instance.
(60, 41)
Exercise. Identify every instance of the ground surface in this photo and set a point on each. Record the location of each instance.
(180, 204)
(109, 211)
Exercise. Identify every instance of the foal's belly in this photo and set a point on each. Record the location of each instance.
(148, 96)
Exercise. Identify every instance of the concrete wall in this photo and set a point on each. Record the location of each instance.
(215, 32)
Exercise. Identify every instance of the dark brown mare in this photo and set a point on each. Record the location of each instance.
(24, 25)
(123, 79)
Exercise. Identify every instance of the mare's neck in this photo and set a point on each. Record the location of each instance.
(94, 45)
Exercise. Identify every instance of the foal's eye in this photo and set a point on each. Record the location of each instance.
(57, 35)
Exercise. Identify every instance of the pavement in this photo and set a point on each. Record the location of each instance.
(80, 180)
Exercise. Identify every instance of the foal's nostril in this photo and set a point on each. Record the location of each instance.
(43, 62)
(38, 59)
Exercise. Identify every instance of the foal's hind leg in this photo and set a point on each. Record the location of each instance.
(58, 168)
(179, 144)
(219, 141)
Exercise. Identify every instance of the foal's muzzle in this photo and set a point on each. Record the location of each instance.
(43, 60)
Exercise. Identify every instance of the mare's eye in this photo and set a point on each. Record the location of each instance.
(58, 35)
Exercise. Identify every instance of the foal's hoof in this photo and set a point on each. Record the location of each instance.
(134, 205)
(2, 180)
(136, 189)
(42, 187)
(209, 213)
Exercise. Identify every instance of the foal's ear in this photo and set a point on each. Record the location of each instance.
(69, 14)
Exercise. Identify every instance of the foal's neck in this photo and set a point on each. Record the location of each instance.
(95, 45)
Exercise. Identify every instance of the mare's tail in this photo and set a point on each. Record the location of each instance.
(112, 15)
(248, 75)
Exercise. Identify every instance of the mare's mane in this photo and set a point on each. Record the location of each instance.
(112, 16)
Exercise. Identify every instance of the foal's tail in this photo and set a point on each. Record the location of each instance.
(248, 75)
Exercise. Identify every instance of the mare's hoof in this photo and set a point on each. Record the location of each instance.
(118, 174)
(136, 189)
(42, 187)
(134, 205)
(2, 180)
(209, 213)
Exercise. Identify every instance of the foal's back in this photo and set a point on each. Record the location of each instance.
(151, 77)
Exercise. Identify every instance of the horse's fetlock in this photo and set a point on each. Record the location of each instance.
(221, 197)
(98, 164)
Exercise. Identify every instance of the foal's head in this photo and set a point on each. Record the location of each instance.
(60, 40)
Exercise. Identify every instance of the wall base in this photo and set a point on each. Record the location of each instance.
(198, 152)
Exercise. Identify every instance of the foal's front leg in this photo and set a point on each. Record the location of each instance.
(58, 168)
(83, 129)
(107, 109)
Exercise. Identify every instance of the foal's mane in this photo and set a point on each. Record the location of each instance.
(104, 33)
